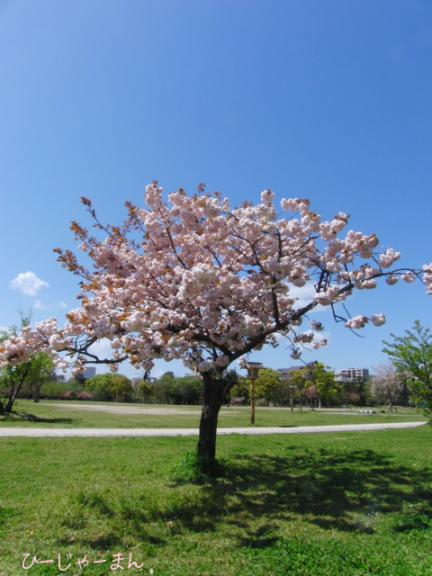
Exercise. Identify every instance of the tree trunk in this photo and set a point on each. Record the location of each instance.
(36, 393)
(213, 392)
(16, 388)
(12, 397)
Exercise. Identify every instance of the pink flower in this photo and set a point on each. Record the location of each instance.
(408, 277)
(378, 319)
(391, 280)
(388, 258)
(357, 322)
(267, 197)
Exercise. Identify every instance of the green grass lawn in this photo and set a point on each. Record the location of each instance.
(334, 504)
(50, 414)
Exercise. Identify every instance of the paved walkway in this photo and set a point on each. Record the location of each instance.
(162, 432)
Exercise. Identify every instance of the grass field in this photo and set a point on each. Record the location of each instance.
(334, 504)
(73, 414)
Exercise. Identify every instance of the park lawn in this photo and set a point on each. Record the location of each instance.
(314, 505)
(73, 415)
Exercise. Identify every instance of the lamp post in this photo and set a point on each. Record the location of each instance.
(292, 389)
(252, 369)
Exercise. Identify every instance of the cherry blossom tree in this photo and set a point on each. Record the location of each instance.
(188, 277)
(387, 386)
(25, 359)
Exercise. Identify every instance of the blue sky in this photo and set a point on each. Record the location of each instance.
(326, 100)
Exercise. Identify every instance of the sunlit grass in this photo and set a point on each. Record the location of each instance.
(338, 504)
(74, 414)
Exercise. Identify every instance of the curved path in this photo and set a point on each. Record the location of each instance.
(162, 432)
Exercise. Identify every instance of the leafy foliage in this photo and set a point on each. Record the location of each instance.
(25, 377)
(411, 355)
(169, 389)
(115, 387)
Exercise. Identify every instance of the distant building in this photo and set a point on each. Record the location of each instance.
(352, 375)
(285, 373)
(89, 372)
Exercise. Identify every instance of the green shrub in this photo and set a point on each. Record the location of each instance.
(110, 387)
(53, 390)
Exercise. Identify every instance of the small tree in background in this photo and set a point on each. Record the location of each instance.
(328, 390)
(110, 387)
(267, 384)
(411, 355)
(144, 390)
(41, 371)
(387, 386)
(298, 382)
(241, 390)
(315, 384)
(25, 377)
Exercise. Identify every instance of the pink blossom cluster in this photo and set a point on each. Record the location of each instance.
(427, 277)
(360, 321)
(17, 348)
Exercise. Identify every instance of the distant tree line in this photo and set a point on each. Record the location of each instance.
(168, 389)
(407, 381)
(310, 387)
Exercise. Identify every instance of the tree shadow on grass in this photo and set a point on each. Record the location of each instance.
(27, 417)
(332, 490)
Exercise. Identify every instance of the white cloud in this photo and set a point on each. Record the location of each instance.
(305, 294)
(28, 283)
